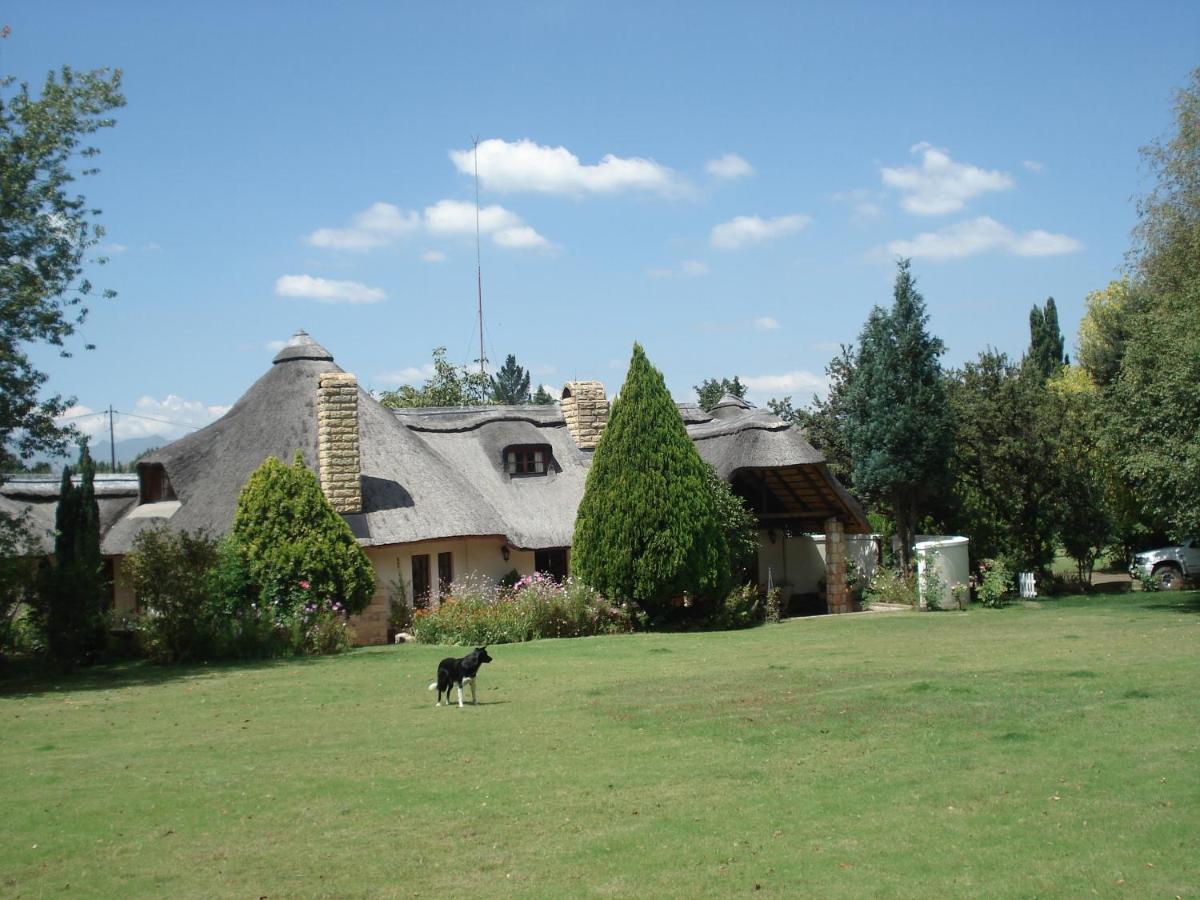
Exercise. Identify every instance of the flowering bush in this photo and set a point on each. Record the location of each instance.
(536, 606)
(995, 582)
(891, 586)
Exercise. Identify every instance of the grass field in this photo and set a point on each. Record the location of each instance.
(1051, 751)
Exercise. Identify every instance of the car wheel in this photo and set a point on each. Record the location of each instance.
(1169, 578)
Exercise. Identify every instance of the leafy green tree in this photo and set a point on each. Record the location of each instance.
(541, 397)
(72, 598)
(899, 426)
(295, 545)
(1085, 466)
(1007, 483)
(824, 421)
(18, 576)
(1108, 322)
(450, 385)
(739, 525)
(47, 232)
(510, 385)
(710, 391)
(1157, 435)
(1045, 339)
(649, 527)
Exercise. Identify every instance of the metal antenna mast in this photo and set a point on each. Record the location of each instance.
(478, 264)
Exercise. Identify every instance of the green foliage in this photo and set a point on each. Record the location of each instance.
(774, 605)
(450, 385)
(825, 421)
(171, 574)
(18, 579)
(288, 534)
(1157, 440)
(1008, 484)
(71, 605)
(743, 607)
(932, 584)
(710, 391)
(649, 527)
(510, 384)
(541, 397)
(899, 427)
(737, 522)
(1107, 325)
(478, 614)
(995, 583)
(46, 234)
(890, 585)
(1045, 339)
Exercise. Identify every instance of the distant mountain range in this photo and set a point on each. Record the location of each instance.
(127, 451)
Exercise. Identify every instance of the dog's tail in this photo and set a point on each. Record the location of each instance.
(432, 685)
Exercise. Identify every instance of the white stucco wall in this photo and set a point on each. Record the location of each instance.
(797, 562)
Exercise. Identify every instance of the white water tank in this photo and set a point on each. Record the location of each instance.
(943, 565)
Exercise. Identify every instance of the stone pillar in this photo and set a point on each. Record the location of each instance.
(337, 441)
(585, 409)
(837, 596)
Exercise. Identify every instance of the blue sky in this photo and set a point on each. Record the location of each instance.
(728, 184)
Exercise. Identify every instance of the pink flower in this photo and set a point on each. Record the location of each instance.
(304, 584)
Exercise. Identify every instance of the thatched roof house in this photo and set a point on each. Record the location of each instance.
(433, 494)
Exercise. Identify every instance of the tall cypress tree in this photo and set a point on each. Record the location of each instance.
(510, 384)
(899, 424)
(1045, 339)
(72, 600)
(648, 527)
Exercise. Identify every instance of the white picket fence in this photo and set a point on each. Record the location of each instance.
(1027, 585)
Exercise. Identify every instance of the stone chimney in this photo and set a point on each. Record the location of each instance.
(337, 441)
(585, 409)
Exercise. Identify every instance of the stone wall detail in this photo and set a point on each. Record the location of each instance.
(585, 409)
(337, 441)
(837, 595)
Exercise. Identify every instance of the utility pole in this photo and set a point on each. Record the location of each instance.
(478, 264)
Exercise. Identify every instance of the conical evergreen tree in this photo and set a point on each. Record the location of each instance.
(1045, 339)
(648, 527)
(899, 425)
(510, 385)
(72, 599)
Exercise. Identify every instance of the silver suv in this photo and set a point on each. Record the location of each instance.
(1170, 567)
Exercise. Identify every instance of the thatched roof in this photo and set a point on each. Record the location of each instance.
(438, 473)
(36, 496)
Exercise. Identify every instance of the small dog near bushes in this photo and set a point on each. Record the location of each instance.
(453, 671)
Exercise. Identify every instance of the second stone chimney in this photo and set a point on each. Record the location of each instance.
(585, 409)
(337, 441)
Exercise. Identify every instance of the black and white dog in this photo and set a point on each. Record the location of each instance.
(456, 671)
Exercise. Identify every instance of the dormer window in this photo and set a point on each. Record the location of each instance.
(154, 486)
(526, 459)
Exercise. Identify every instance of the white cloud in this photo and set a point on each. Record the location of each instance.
(170, 417)
(1032, 165)
(728, 166)
(375, 226)
(413, 375)
(941, 185)
(327, 290)
(510, 166)
(433, 256)
(456, 217)
(766, 323)
(980, 236)
(276, 346)
(744, 230)
(113, 248)
(862, 202)
(798, 383)
(689, 268)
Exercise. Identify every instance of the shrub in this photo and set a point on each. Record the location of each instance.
(171, 576)
(891, 586)
(287, 533)
(477, 613)
(774, 605)
(18, 577)
(742, 608)
(995, 582)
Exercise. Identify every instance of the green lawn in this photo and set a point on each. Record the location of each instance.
(1050, 751)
